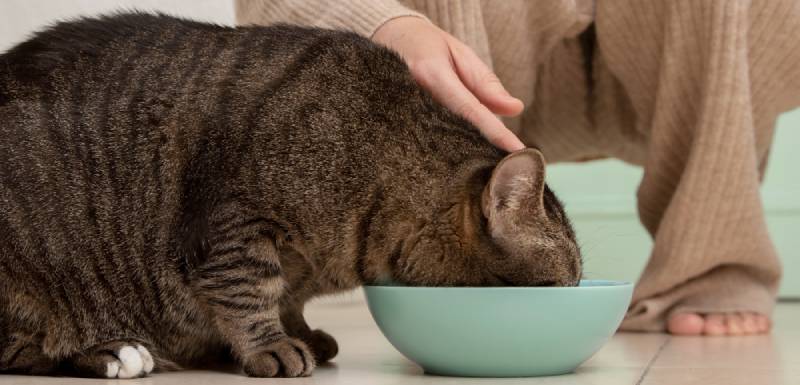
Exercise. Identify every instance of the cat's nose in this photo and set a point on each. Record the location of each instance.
(558, 275)
(565, 281)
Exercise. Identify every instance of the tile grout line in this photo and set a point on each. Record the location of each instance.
(653, 360)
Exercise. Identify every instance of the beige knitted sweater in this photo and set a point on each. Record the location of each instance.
(687, 89)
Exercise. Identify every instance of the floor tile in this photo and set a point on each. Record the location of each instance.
(778, 350)
(721, 376)
(358, 372)
(787, 316)
(632, 350)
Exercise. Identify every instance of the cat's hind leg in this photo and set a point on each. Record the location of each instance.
(115, 359)
(21, 353)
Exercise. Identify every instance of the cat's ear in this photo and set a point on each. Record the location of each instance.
(516, 186)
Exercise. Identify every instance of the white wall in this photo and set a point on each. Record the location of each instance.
(19, 18)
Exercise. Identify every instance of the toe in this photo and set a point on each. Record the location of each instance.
(734, 323)
(323, 346)
(287, 357)
(131, 363)
(715, 325)
(685, 324)
(763, 323)
(112, 369)
(263, 365)
(305, 356)
(749, 323)
(147, 359)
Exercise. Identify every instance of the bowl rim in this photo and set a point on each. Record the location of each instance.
(598, 284)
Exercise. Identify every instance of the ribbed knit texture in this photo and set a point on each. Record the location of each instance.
(360, 16)
(688, 89)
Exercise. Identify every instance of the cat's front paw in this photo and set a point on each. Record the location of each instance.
(323, 345)
(287, 357)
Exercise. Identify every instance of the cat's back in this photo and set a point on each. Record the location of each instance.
(84, 126)
(107, 89)
(103, 119)
(100, 120)
(108, 124)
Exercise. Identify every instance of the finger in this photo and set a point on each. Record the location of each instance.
(447, 89)
(479, 79)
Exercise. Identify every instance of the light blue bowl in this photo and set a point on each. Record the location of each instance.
(499, 331)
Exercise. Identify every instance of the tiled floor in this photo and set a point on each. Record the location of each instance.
(365, 357)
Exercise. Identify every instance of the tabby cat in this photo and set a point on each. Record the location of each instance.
(173, 191)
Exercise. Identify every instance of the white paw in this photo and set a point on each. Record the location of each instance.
(131, 362)
(147, 359)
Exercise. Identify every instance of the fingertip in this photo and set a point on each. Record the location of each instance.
(516, 145)
(509, 143)
(516, 106)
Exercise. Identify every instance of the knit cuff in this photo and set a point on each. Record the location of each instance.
(360, 16)
(366, 16)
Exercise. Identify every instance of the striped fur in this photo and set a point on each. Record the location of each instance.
(180, 190)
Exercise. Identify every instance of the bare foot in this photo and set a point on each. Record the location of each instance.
(718, 324)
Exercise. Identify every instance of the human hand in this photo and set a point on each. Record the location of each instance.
(454, 75)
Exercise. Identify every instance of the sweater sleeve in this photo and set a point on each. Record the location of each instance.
(361, 16)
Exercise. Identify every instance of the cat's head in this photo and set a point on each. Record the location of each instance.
(508, 231)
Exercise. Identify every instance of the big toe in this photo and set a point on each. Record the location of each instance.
(685, 324)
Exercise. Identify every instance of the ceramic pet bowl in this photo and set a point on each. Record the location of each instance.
(499, 331)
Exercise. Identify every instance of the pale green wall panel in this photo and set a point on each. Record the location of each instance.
(600, 198)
